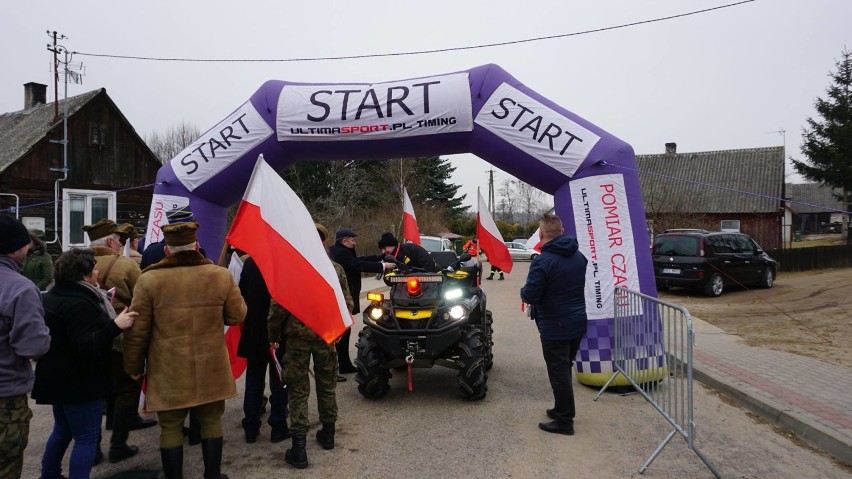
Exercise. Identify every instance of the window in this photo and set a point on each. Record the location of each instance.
(84, 207)
(730, 226)
(97, 134)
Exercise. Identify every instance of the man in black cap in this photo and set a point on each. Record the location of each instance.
(24, 337)
(343, 253)
(410, 254)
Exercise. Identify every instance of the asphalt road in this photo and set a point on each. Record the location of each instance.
(432, 432)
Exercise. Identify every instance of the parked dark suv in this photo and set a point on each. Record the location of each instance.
(710, 261)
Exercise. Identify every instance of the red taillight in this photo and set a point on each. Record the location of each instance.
(413, 286)
(701, 247)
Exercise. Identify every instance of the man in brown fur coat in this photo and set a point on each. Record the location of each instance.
(184, 301)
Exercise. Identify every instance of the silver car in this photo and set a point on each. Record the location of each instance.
(520, 252)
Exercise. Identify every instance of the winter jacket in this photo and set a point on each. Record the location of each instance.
(415, 256)
(254, 339)
(283, 325)
(555, 289)
(77, 366)
(38, 267)
(354, 265)
(122, 276)
(23, 334)
(184, 302)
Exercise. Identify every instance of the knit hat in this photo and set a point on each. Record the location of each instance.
(126, 232)
(13, 234)
(180, 234)
(101, 229)
(387, 239)
(344, 233)
(37, 233)
(322, 230)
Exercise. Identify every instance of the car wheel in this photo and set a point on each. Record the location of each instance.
(768, 278)
(534, 256)
(714, 286)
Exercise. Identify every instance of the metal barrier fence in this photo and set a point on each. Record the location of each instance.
(643, 325)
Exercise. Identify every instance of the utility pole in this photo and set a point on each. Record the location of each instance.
(55, 51)
(491, 191)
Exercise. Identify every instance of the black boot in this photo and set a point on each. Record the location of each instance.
(118, 448)
(490, 277)
(172, 462)
(296, 455)
(211, 452)
(138, 422)
(325, 436)
(501, 277)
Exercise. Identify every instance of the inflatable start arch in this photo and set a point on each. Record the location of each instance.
(484, 111)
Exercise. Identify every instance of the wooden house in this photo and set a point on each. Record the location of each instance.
(735, 190)
(108, 172)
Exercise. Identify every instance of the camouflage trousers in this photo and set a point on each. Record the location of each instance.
(297, 361)
(15, 415)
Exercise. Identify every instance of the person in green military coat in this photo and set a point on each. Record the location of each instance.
(302, 343)
(38, 265)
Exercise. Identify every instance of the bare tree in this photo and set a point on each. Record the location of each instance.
(530, 201)
(168, 144)
(508, 203)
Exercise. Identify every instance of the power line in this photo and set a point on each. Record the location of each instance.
(415, 52)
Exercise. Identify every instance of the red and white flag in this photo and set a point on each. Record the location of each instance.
(490, 238)
(410, 231)
(535, 241)
(273, 226)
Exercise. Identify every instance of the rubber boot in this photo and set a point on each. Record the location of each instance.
(490, 277)
(296, 456)
(118, 448)
(211, 452)
(325, 436)
(172, 462)
(500, 278)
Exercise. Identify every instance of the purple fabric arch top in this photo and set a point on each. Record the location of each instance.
(484, 111)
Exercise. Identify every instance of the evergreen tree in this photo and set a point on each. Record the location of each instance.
(437, 189)
(828, 141)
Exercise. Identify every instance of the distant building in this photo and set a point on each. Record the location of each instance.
(677, 191)
(105, 157)
(819, 211)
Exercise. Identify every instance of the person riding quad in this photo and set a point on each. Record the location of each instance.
(411, 254)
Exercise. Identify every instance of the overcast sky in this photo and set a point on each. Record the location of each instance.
(725, 79)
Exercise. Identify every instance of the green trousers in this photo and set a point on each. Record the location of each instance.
(297, 360)
(15, 415)
(171, 423)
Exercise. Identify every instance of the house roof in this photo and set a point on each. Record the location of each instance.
(808, 197)
(684, 182)
(21, 130)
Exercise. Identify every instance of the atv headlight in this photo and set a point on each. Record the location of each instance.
(453, 294)
(457, 312)
(376, 313)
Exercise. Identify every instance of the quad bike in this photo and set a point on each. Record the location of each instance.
(427, 319)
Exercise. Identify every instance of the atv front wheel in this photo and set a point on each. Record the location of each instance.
(488, 353)
(472, 378)
(372, 377)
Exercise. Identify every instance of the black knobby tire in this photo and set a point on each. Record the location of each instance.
(372, 378)
(767, 278)
(714, 286)
(489, 341)
(472, 378)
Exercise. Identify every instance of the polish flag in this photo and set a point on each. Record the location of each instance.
(535, 241)
(490, 238)
(410, 231)
(233, 333)
(274, 227)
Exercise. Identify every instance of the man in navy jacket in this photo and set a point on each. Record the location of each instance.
(555, 290)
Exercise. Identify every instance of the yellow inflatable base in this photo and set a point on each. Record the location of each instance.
(644, 376)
